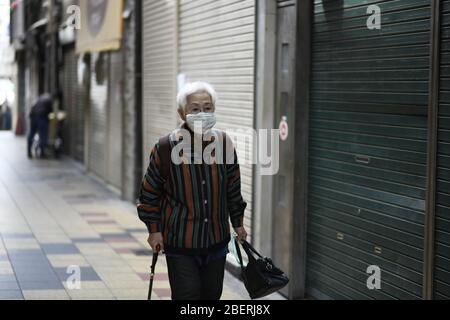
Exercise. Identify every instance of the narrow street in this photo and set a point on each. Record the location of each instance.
(53, 216)
(336, 117)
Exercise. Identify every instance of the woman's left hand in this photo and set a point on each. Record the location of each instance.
(241, 234)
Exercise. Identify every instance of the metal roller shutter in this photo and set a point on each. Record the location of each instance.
(80, 104)
(368, 149)
(98, 115)
(74, 128)
(83, 101)
(442, 234)
(217, 44)
(66, 103)
(159, 71)
(115, 120)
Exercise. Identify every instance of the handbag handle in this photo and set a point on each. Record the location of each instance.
(249, 247)
(238, 251)
(248, 250)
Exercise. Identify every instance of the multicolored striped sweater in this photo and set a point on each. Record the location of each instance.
(194, 206)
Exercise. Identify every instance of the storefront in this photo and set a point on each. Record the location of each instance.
(377, 180)
(107, 46)
(212, 41)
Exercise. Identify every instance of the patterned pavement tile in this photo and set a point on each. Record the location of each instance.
(25, 253)
(167, 293)
(102, 222)
(31, 263)
(64, 261)
(136, 230)
(88, 285)
(158, 277)
(33, 272)
(86, 274)
(7, 277)
(105, 262)
(123, 250)
(11, 294)
(114, 284)
(6, 270)
(161, 285)
(59, 248)
(9, 285)
(45, 295)
(87, 240)
(136, 293)
(6, 236)
(43, 240)
(119, 277)
(90, 294)
(93, 214)
(105, 228)
(44, 284)
(123, 242)
(21, 243)
(94, 248)
(126, 245)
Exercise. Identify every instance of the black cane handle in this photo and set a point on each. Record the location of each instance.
(152, 270)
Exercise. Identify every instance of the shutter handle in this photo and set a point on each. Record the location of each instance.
(362, 159)
(378, 250)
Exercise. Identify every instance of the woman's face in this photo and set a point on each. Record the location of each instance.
(198, 102)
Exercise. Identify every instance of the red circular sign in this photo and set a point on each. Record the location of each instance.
(284, 130)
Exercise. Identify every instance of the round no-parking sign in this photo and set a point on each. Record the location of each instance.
(284, 130)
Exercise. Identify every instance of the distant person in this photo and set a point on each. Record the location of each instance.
(5, 119)
(1, 117)
(39, 123)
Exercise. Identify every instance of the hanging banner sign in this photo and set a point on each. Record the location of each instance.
(101, 25)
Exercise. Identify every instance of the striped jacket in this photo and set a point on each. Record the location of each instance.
(193, 207)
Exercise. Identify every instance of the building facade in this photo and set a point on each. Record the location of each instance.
(361, 86)
(214, 41)
(102, 132)
(371, 173)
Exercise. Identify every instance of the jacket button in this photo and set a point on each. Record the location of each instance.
(206, 220)
(206, 201)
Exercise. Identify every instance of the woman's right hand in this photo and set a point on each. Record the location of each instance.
(155, 240)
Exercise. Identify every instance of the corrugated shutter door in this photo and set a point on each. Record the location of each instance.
(115, 120)
(442, 235)
(368, 144)
(98, 117)
(159, 72)
(217, 45)
(66, 102)
(80, 106)
(74, 126)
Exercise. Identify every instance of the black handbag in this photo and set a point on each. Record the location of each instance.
(260, 276)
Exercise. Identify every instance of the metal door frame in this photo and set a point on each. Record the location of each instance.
(432, 149)
(302, 103)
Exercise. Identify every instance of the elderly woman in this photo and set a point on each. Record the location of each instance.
(187, 207)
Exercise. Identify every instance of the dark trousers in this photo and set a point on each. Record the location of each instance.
(193, 278)
(38, 125)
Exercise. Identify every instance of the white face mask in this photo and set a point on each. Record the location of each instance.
(205, 121)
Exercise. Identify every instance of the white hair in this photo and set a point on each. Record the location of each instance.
(193, 88)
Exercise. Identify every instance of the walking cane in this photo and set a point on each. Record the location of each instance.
(152, 271)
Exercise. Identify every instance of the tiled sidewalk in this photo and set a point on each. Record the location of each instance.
(53, 216)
